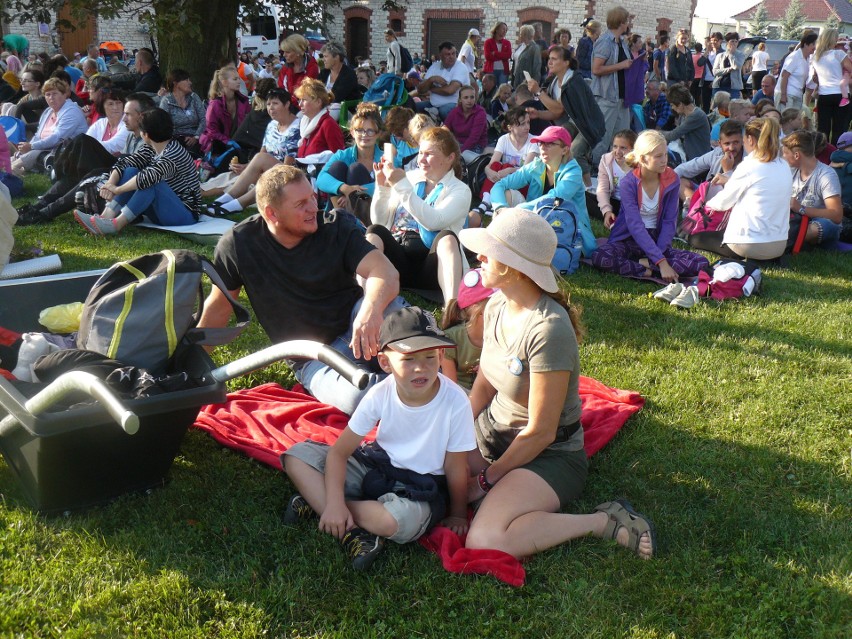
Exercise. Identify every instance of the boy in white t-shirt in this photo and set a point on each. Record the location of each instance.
(397, 488)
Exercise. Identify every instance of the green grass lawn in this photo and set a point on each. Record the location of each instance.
(741, 456)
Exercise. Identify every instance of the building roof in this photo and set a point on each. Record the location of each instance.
(815, 10)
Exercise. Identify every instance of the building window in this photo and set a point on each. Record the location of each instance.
(396, 21)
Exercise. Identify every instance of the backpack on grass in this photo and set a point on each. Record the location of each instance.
(140, 310)
(719, 282)
(700, 218)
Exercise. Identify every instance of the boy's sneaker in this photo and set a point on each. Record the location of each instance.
(95, 224)
(297, 510)
(688, 297)
(362, 547)
(670, 292)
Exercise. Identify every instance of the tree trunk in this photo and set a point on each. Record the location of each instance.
(205, 45)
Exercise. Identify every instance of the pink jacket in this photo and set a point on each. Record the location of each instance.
(605, 189)
(219, 120)
(471, 132)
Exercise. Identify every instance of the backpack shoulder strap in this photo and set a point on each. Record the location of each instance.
(217, 336)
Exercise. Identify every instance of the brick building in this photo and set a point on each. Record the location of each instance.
(422, 24)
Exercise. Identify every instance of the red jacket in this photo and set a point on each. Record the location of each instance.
(290, 79)
(492, 55)
(326, 137)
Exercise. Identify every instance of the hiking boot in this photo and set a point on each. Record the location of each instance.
(670, 292)
(687, 298)
(297, 509)
(362, 547)
(95, 224)
(29, 215)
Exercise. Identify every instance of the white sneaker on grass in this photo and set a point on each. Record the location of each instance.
(687, 298)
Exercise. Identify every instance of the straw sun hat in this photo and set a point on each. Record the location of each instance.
(521, 240)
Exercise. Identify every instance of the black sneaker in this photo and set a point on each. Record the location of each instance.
(362, 547)
(29, 215)
(297, 509)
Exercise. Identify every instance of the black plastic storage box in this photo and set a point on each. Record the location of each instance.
(80, 457)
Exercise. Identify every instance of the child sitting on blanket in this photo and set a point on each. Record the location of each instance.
(463, 321)
(640, 244)
(396, 489)
(612, 169)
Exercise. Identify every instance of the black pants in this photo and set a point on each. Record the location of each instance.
(416, 263)
(711, 241)
(706, 95)
(695, 91)
(59, 198)
(832, 119)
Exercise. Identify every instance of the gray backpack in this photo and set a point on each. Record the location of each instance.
(140, 310)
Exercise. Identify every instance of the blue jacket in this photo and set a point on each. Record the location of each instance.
(568, 186)
(844, 173)
(328, 184)
(629, 223)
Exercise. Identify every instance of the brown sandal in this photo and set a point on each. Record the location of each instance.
(622, 515)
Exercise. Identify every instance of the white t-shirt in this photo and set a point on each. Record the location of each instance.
(829, 70)
(513, 155)
(650, 209)
(467, 57)
(457, 73)
(417, 438)
(759, 60)
(617, 175)
(798, 68)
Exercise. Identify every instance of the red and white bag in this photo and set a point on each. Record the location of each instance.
(701, 218)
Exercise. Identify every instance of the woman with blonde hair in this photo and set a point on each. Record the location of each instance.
(640, 244)
(591, 32)
(417, 214)
(225, 111)
(829, 64)
(319, 131)
(758, 194)
(298, 64)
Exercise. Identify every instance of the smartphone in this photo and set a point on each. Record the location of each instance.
(389, 153)
(527, 76)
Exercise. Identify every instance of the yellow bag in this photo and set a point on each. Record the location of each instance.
(64, 318)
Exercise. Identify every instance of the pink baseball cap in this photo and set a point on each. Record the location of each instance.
(553, 134)
(471, 289)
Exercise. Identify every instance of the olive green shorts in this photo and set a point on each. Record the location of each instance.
(565, 471)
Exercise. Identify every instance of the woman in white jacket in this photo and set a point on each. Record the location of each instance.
(417, 215)
(758, 194)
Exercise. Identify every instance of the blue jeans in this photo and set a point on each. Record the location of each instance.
(443, 111)
(829, 232)
(158, 203)
(326, 384)
(500, 77)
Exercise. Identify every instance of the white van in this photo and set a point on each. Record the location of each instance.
(261, 34)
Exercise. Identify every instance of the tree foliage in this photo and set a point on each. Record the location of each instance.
(759, 23)
(793, 22)
(832, 22)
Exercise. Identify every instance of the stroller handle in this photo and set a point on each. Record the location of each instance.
(299, 348)
(91, 385)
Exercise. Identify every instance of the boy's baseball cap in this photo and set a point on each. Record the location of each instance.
(412, 329)
(471, 289)
(844, 140)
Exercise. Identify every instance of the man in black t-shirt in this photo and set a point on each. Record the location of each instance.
(299, 270)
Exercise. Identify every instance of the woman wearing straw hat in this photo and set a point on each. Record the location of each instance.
(531, 460)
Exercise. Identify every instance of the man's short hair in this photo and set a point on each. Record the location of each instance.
(446, 45)
(145, 57)
(730, 128)
(270, 187)
(144, 100)
(739, 105)
(664, 39)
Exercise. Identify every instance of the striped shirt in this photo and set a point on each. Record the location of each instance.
(280, 144)
(174, 165)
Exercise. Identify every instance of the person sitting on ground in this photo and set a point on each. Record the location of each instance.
(767, 89)
(299, 65)
(186, 110)
(440, 88)
(280, 144)
(366, 76)
(499, 105)
(553, 174)
(31, 83)
(841, 162)
(816, 190)
(658, 112)
(469, 123)
(90, 70)
(719, 107)
(424, 435)
(691, 126)
(62, 120)
(299, 270)
(741, 112)
(417, 216)
(715, 166)
(758, 195)
(530, 461)
(159, 181)
(338, 77)
(225, 111)
(397, 133)
(463, 322)
(791, 120)
(640, 244)
(150, 79)
(513, 150)
(614, 168)
(489, 90)
(418, 125)
(320, 133)
(252, 131)
(59, 62)
(822, 147)
(99, 87)
(60, 198)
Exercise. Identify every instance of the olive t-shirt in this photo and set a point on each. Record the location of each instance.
(546, 342)
(306, 292)
(465, 355)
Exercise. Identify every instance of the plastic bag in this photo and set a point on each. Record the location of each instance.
(64, 318)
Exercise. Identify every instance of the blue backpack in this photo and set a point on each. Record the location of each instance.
(562, 216)
(387, 90)
(15, 128)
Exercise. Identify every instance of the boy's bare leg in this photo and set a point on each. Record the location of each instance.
(372, 517)
(309, 482)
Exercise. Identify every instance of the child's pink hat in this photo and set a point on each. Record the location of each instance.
(471, 289)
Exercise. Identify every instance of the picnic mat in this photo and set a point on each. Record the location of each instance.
(207, 230)
(264, 421)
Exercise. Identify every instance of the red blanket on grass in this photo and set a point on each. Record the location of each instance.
(264, 421)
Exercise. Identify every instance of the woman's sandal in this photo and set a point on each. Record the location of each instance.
(217, 210)
(622, 515)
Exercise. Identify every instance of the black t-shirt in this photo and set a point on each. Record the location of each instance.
(622, 56)
(306, 292)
